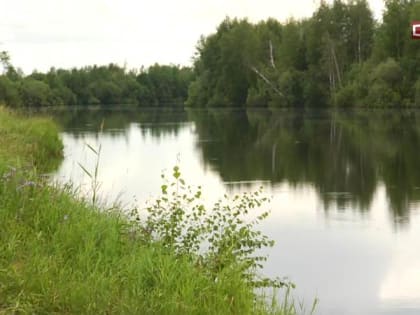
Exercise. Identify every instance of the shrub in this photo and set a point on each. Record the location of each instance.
(221, 238)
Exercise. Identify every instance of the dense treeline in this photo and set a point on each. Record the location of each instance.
(157, 86)
(339, 56)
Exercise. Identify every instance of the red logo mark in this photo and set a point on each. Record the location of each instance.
(415, 30)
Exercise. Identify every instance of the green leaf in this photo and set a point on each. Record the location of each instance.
(85, 170)
(91, 148)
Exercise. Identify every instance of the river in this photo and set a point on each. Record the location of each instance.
(345, 187)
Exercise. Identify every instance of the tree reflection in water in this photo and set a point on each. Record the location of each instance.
(344, 155)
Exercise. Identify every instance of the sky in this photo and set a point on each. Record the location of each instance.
(75, 33)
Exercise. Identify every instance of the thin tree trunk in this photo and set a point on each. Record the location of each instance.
(331, 73)
(359, 48)
(271, 55)
(273, 158)
(337, 68)
(266, 80)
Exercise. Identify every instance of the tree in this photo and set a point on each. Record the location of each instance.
(361, 31)
(393, 33)
(224, 65)
(385, 80)
(35, 93)
(9, 94)
(5, 61)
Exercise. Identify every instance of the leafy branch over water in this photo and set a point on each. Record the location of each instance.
(217, 239)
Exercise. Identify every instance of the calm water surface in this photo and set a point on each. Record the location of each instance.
(345, 213)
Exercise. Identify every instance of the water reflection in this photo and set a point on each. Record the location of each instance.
(114, 122)
(344, 155)
(337, 178)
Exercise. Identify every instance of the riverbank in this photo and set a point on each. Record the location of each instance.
(30, 143)
(59, 254)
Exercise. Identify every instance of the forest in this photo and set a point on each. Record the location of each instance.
(158, 85)
(341, 56)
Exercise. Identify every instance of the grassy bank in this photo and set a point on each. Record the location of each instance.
(29, 143)
(60, 255)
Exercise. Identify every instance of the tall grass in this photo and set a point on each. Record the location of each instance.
(58, 255)
(31, 142)
(62, 255)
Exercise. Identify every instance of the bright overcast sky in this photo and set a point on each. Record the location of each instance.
(62, 33)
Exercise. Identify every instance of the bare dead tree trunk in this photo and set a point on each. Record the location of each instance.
(271, 55)
(333, 66)
(337, 68)
(331, 73)
(273, 158)
(273, 65)
(266, 80)
(359, 44)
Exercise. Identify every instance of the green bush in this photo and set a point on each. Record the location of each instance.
(218, 239)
